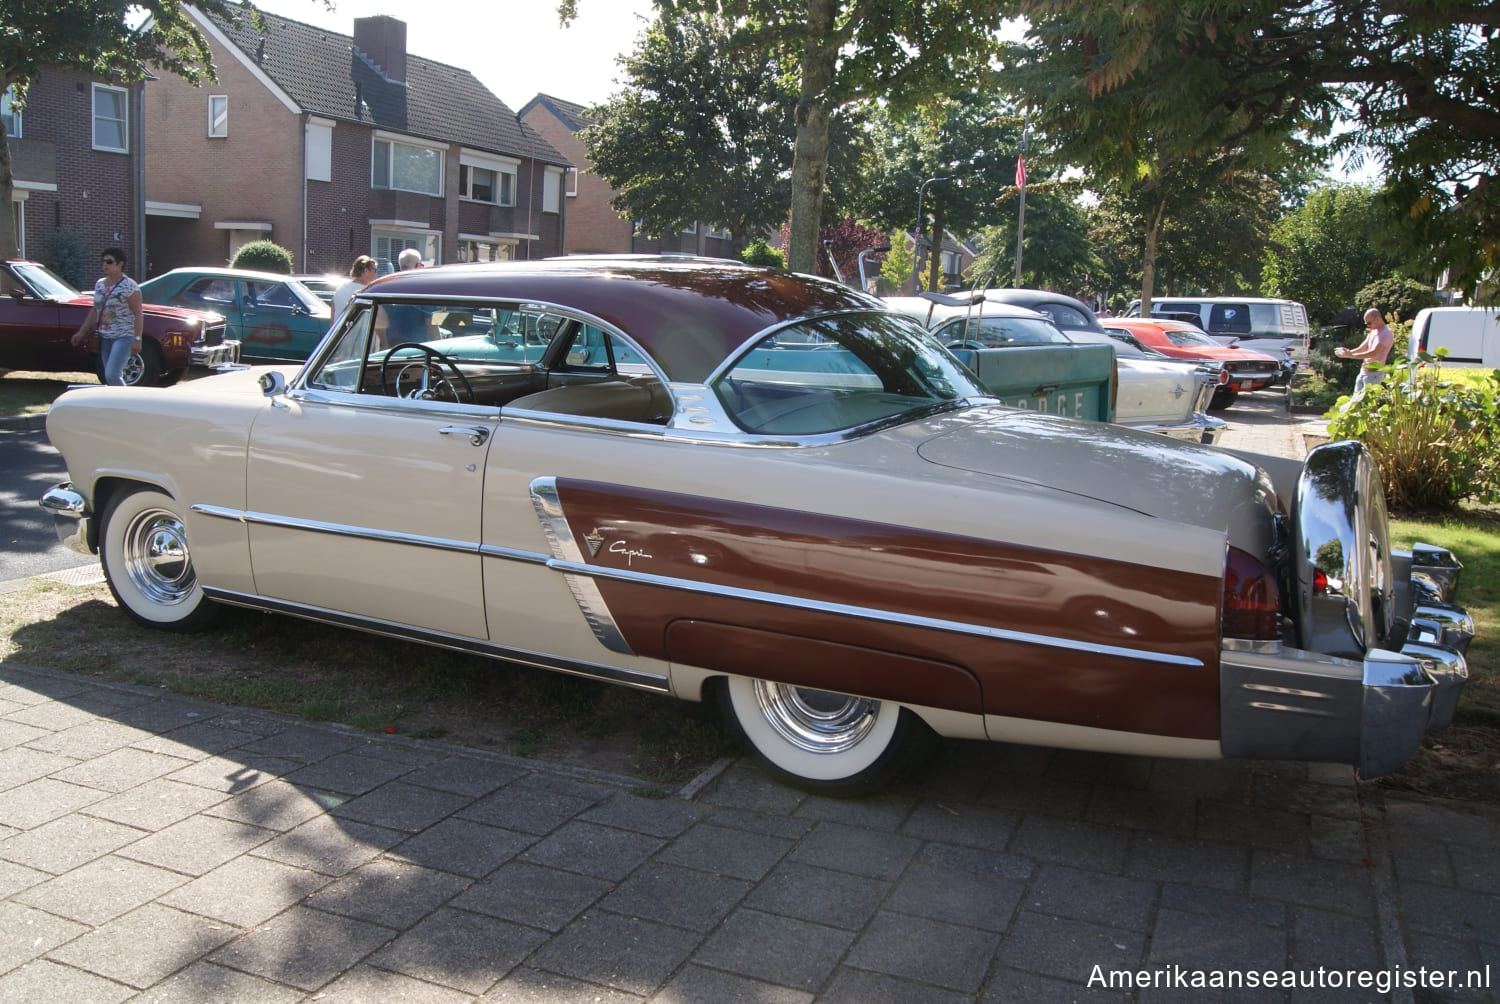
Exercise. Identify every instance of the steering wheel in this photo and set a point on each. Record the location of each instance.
(434, 359)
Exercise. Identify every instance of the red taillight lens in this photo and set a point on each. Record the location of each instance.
(1252, 603)
(1224, 375)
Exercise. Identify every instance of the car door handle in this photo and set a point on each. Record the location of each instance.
(477, 435)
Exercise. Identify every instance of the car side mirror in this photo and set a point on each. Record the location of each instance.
(272, 384)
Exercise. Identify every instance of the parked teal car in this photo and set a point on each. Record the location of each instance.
(275, 317)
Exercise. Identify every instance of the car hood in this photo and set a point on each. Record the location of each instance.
(163, 310)
(1146, 473)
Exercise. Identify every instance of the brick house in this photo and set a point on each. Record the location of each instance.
(335, 146)
(594, 224)
(75, 161)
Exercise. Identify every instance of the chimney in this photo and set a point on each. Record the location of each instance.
(381, 40)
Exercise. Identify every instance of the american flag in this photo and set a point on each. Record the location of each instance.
(1021, 171)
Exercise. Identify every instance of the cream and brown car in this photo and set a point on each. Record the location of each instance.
(771, 491)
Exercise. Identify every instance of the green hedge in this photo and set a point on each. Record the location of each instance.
(1433, 432)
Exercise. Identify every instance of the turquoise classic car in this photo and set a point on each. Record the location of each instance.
(275, 317)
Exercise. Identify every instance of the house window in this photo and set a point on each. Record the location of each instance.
(484, 185)
(218, 115)
(386, 247)
(552, 191)
(570, 183)
(407, 167)
(481, 250)
(111, 119)
(10, 114)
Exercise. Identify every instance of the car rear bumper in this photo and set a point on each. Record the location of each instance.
(1200, 429)
(1293, 704)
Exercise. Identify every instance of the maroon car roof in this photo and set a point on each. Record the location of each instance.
(688, 314)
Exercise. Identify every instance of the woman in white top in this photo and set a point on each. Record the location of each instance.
(116, 315)
(361, 273)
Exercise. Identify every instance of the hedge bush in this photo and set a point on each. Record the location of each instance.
(263, 256)
(761, 253)
(1436, 439)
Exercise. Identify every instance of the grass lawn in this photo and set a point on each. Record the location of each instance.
(27, 393)
(1474, 536)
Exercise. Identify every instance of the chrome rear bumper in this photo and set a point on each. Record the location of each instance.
(1284, 703)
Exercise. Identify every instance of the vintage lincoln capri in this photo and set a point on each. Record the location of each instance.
(769, 491)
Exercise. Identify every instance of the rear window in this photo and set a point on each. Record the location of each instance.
(1230, 318)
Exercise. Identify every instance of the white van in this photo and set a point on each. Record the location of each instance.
(1470, 334)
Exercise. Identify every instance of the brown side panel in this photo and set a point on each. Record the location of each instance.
(920, 574)
(827, 665)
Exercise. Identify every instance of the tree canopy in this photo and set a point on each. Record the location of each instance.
(1113, 80)
(1327, 249)
(97, 38)
(837, 53)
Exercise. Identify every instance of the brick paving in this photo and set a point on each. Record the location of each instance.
(156, 848)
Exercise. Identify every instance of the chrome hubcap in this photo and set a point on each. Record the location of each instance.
(816, 721)
(156, 557)
(135, 368)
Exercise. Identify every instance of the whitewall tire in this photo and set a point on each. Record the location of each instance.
(833, 744)
(143, 547)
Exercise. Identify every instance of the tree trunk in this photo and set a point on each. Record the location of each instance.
(1148, 261)
(810, 154)
(9, 246)
(935, 244)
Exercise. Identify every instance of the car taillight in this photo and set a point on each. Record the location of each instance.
(1224, 375)
(1252, 602)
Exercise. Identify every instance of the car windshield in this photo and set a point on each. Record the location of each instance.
(999, 331)
(45, 282)
(835, 373)
(1190, 339)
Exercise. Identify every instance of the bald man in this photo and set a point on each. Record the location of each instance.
(1374, 349)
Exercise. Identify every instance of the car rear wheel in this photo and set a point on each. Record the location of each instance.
(829, 743)
(143, 547)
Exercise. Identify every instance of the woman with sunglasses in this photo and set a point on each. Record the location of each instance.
(116, 316)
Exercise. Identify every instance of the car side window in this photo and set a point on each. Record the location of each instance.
(1064, 316)
(209, 294)
(1230, 318)
(341, 369)
(273, 295)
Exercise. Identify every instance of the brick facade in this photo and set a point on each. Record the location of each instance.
(95, 195)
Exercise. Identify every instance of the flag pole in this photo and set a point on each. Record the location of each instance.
(1021, 184)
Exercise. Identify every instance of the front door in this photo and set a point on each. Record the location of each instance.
(370, 504)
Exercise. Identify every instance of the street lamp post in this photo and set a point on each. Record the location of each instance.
(916, 269)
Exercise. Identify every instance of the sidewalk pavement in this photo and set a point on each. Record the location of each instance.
(157, 848)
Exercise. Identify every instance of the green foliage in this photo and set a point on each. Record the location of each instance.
(760, 253)
(1397, 298)
(1333, 244)
(263, 256)
(895, 271)
(967, 142)
(69, 258)
(1057, 253)
(1437, 440)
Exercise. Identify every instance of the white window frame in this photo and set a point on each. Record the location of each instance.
(124, 120)
(392, 141)
(570, 183)
(218, 120)
(387, 243)
(10, 112)
(318, 142)
(505, 176)
(552, 190)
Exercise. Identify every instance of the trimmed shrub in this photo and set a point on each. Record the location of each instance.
(1436, 440)
(760, 253)
(263, 256)
(70, 259)
(1397, 298)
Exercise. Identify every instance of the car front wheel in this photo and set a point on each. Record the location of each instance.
(828, 743)
(143, 547)
(142, 369)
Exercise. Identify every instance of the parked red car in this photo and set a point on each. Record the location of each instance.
(1181, 340)
(40, 311)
